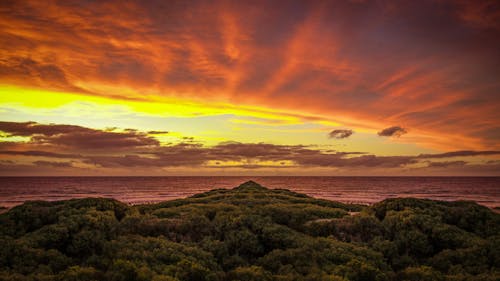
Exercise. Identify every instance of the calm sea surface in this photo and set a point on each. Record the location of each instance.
(136, 190)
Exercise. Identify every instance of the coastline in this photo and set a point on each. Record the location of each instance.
(356, 190)
(249, 232)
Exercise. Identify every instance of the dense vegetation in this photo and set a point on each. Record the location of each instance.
(249, 233)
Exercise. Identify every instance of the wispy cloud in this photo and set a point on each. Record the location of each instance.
(346, 61)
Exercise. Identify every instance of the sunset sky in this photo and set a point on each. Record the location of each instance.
(249, 88)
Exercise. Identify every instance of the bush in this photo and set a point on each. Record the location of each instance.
(249, 233)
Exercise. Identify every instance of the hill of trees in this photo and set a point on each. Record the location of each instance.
(249, 233)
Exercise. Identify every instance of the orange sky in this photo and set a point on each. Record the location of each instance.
(249, 87)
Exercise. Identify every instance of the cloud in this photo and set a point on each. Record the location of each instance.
(77, 137)
(182, 154)
(18, 69)
(36, 153)
(246, 155)
(463, 153)
(338, 160)
(263, 151)
(309, 56)
(446, 164)
(480, 14)
(340, 134)
(394, 131)
(53, 164)
(26, 129)
(130, 149)
(157, 132)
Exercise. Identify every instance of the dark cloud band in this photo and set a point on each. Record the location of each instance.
(145, 151)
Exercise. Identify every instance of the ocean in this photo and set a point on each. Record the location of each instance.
(139, 190)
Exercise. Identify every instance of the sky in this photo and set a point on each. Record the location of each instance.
(337, 88)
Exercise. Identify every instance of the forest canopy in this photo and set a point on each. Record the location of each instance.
(250, 233)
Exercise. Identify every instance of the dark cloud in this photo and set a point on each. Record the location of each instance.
(264, 151)
(340, 134)
(446, 164)
(394, 131)
(462, 153)
(338, 160)
(249, 155)
(37, 153)
(53, 164)
(182, 154)
(112, 148)
(157, 132)
(26, 129)
(98, 140)
(126, 161)
(254, 154)
(78, 137)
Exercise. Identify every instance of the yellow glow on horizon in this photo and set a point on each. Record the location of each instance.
(247, 124)
(7, 138)
(153, 105)
(257, 163)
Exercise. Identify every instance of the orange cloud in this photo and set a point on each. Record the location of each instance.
(430, 66)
